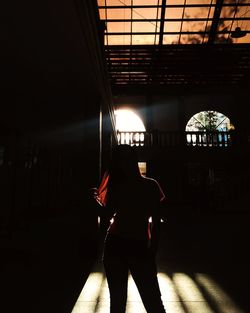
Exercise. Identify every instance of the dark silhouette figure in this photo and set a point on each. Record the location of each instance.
(131, 241)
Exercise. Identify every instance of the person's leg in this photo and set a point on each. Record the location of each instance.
(116, 269)
(144, 273)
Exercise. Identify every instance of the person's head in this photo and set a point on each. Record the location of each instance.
(124, 162)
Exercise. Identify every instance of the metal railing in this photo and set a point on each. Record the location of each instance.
(175, 139)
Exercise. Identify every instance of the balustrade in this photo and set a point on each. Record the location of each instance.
(175, 139)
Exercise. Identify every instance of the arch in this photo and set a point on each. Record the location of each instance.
(208, 128)
(130, 127)
(128, 120)
(209, 121)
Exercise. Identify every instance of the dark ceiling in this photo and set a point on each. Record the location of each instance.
(178, 66)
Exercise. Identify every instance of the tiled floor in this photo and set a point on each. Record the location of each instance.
(203, 268)
(181, 293)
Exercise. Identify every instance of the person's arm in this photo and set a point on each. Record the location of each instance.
(103, 210)
(160, 201)
(155, 230)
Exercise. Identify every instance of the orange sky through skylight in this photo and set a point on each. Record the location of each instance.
(152, 27)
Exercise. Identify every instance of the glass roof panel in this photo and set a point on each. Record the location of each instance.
(169, 2)
(119, 40)
(120, 14)
(191, 39)
(142, 13)
(200, 1)
(172, 26)
(145, 2)
(118, 2)
(196, 12)
(180, 17)
(170, 39)
(120, 27)
(101, 2)
(102, 14)
(141, 27)
(143, 39)
(193, 26)
(173, 13)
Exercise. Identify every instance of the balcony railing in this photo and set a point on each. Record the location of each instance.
(208, 139)
(175, 139)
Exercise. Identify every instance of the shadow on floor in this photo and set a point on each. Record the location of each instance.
(44, 268)
(213, 252)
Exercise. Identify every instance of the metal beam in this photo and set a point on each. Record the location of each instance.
(163, 10)
(190, 19)
(216, 18)
(172, 33)
(169, 6)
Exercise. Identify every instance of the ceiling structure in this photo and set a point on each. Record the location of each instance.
(173, 43)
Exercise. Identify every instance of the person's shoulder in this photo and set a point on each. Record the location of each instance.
(150, 181)
(155, 186)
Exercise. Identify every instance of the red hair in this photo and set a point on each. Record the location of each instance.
(101, 193)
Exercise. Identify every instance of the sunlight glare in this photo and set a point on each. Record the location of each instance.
(127, 120)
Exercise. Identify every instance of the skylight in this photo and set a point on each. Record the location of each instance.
(161, 22)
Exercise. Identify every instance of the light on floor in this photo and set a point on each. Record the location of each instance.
(218, 296)
(180, 294)
(190, 294)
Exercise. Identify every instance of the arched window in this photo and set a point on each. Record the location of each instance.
(130, 128)
(209, 128)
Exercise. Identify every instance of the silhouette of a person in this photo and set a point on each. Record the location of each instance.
(131, 241)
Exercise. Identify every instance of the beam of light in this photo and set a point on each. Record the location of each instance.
(134, 303)
(219, 297)
(190, 294)
(180, 294)
(168, 294)
(89, 297)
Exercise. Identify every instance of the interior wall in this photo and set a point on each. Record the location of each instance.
(189, 175)
(54, 87)
(172, 112)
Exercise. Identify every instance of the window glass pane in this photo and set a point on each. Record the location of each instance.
(102, 14)
(245, 39)
(243, 11)
(211, 13)
(118, 14)
(196, 12)
(145, 2)
(191, 39)
(143, 27)
(144, 13)
(172, 26)
(200, 1)
(227, 12)
(118, 40)
(193, 26)
(170, 39)
(101, 2)
(176, 2)
(173, 13)
(119, 27)
(118, 3)
(143, 39)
